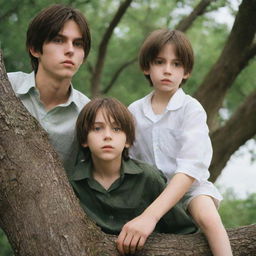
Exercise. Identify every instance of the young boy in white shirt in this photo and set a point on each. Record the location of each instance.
(172, 134)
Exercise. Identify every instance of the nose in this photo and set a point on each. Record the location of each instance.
(108, 134)
(69, 47)
(167, 69)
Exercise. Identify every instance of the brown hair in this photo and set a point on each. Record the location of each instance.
(112, 109)
(47, 24)
(157, 40)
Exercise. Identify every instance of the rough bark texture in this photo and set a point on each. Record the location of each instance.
(234, 57)
(226, 140)
(39, 211)
(36, 201)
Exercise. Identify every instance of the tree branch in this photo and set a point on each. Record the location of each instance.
(117, 74)
(232, 60)
(96, 77)
(199, 10)
(227, 139)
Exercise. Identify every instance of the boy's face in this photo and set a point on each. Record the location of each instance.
(167, 71)
(106, 141)
(63, 55)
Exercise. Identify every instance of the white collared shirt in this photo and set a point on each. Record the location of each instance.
(175, 141)
(58, 122)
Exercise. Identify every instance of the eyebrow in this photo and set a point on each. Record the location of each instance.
(176, 59)
(105, 122)
(63, 36)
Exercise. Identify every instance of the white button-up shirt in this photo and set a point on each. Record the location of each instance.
(176, 141)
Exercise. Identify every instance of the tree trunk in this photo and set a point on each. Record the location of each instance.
(226, 140)
(36, 200)
(232, 60)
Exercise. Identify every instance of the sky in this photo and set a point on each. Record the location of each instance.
(239, 173)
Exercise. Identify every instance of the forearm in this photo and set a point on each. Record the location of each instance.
(175, 190)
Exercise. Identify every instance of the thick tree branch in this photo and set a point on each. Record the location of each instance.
(96, 77)
(37, 204)
(199, 10)
(227, 139)
(232, 60)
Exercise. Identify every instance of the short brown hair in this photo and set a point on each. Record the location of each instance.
(47, 24)
(157, 40)
(112, 108)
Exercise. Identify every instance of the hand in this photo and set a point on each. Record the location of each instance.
(135, 233)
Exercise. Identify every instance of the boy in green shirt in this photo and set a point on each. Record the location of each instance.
(113, 188)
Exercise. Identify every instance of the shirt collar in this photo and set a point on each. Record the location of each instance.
(176, 100)
(83, 169)
(27, 84)
(30, 82)
(174, 103)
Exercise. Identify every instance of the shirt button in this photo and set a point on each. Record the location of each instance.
(111, 217)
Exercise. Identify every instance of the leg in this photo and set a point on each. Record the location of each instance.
(205, 214)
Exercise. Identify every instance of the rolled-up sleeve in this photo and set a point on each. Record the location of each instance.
(195, 153)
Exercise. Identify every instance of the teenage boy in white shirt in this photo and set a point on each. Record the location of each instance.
(172, 134)
(58, 42)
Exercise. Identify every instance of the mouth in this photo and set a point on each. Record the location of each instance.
(68, 62)
(107, 147)
(166, 81)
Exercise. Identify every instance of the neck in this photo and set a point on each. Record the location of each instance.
(106, 172)
(52, 91)
(159, 101)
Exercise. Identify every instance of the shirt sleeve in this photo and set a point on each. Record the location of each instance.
(195, 153)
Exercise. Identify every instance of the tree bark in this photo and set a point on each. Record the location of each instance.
(234, 57)
(96, 75)
(36, 200)
(226, 140)
(39, 211)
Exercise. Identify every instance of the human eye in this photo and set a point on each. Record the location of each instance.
(117, 129)
(79, 43)
(96, 128)
(177, 64)
(158, 61)
(57, 40)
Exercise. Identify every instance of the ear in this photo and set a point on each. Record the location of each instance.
(146, 72)
(127, 145)
(84, 145)
(186, 76)
(34, 53)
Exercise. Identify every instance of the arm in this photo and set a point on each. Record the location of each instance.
(135, 232)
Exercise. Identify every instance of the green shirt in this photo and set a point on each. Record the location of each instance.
(139, 185)
(58, 122)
